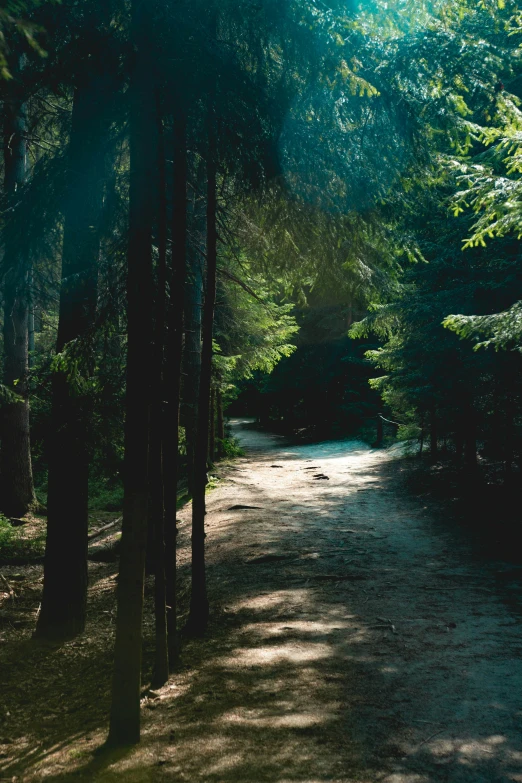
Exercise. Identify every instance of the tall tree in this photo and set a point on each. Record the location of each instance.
(125, 708)
(174, 362)
(16, 476)
(63, 609)
(157, 431)
(199, 607)
(193, 308)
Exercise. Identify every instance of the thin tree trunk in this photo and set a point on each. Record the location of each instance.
(173, 388)
(470, 438)
(509, 438)
(31, 322)
(156, 480)
(459, 442)
(497, 426)
(193, 314)
(380, 432)
(212, 426)
(64, 599)
(220, 422)
(349, 316)
(199, 608)
(126, 688)
(15, 456)
(433, 433)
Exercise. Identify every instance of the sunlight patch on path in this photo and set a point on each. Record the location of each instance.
(267, 656)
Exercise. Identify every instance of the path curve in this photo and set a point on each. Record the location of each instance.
(355, 639)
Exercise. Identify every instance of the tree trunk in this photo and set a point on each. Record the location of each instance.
(175, 355)
(509, 438)
(220, 422)
(193, 314)
(433, 433)
(31, 322)
(126, 688)
(470, 439)
(380, 432)
(459, 442)
(497, 419)
(199, 609)
(212, 426)
(64, 597)
(17, 496)
(156, 476)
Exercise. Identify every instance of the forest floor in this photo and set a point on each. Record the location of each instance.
(358, 635)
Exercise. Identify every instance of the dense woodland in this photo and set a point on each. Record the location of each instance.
(304, 212)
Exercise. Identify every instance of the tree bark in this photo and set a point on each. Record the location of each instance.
(470, 438)
(156, 480)
(199, 608)
(212, 426)
(64, 599)
(193, 314)
(31, 323)
(126, 688)
(220, 422)
(459, 442)
(175, 355)
(380, 432)
(509, 438)
(17, 495)
(433, 433)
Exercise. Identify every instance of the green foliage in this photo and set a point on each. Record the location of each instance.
(13, 19)
(7, 532)
(230, 448)
(348, 137)
(253, 332)
(7, 396)
(501, 331)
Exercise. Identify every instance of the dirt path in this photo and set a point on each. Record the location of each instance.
(354, 639)
(364, 642)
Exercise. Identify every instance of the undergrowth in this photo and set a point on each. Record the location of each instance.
(230, 448)
(105, 495)
(21, 543)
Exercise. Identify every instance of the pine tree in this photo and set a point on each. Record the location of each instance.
(63, 609)
(16, 476)
(126, 691)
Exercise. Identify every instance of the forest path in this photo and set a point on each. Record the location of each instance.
(355, 637)
(358, 640)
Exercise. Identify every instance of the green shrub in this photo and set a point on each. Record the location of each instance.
(7, 532)
(230, 447)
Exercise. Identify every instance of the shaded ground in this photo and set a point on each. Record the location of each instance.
(356, 636)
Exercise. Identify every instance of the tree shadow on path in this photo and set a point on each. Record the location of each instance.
(367, 651)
